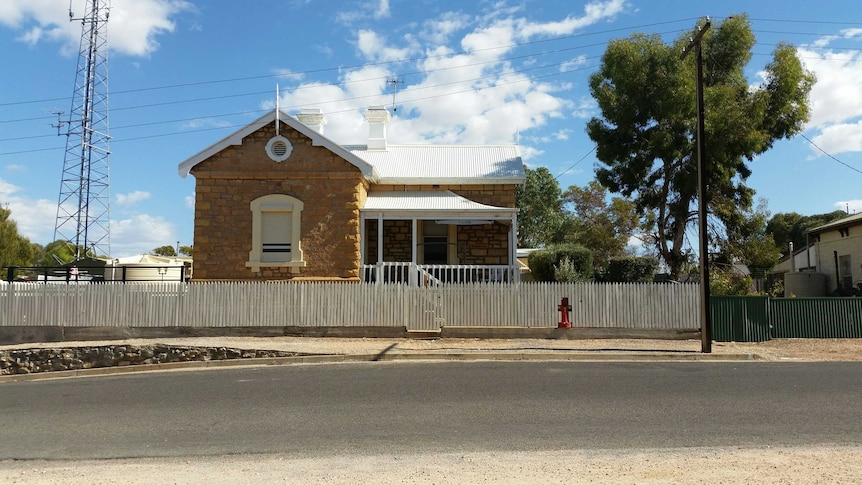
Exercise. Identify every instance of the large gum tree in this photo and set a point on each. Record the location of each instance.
(645, 136)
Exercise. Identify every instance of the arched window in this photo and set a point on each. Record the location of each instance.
(275, 237)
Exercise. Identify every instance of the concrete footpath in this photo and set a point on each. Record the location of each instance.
(310, 350)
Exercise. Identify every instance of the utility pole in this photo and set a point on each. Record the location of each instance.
(83, 206)
(705, 319)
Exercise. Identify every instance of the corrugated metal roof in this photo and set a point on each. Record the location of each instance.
(441, 200)
(847, 221)
(441, 164)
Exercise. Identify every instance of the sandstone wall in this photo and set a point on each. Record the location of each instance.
(331, 189)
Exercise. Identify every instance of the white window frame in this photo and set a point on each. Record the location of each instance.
(275, 203)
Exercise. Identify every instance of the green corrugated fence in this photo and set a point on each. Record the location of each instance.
(759, 318)
(739, 318)
(816, 317)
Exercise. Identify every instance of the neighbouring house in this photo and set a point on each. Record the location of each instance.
(279, 200)
(839, 254)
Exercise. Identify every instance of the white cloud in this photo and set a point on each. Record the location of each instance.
(438, 31)
(585, 108)
(573, 64)
(377, 9)
(133, 25)
(289, 75)
(594, 12)
(854, 206)
(373, 47)
(140, 234)
(382, 10)
(35, 218)
(837, 95)
(14, 167)
(840, 138)
(836, 98)
(132, 197)
(202, 123)
(7, 189)
(190, 201)
(462, 90)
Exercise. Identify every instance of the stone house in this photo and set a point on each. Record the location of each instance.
(278, 200)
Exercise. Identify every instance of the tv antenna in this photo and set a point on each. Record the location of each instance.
(394, 81)
(83, 206)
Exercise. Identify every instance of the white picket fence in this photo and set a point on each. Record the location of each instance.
(654, 306)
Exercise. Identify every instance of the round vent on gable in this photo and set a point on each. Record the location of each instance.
(279, 148)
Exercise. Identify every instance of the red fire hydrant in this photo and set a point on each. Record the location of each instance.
(565, 309)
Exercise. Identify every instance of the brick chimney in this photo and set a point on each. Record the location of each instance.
(378, 118)
(312, 118)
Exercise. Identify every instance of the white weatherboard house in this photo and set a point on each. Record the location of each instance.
(278, 200)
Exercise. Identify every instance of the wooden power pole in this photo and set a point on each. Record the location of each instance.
(705, 320)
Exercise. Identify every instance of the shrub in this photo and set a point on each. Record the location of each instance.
(631, 269)
(565, 272)
(545, 262)
(729, 283)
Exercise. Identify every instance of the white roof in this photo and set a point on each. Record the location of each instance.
(317, 139)
(441, 202)
(150, 259)
(445, 164)
(398, 164)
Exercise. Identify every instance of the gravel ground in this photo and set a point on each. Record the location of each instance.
(810, 465)
(813, 464)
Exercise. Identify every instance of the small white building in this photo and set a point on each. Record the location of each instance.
(147, 267)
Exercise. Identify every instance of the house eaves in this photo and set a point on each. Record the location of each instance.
(317, 139)
(855, 219)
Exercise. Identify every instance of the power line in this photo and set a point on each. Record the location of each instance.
(318, 103)
(830, 155)
(369, 64)
(579, 161)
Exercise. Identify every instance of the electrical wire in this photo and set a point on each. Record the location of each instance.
(829, 154)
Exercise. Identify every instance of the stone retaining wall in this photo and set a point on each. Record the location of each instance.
(27, 361)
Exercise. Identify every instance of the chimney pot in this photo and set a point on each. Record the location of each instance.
(312, 118)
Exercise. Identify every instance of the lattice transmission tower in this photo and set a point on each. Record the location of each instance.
(83, 207)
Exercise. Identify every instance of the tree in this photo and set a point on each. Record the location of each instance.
(15, 249)
(167, 250)
(602, 227)
(186, 250)
(751, 244)
(646, 135)
(58, 253)
(787, 227)
(540, 220)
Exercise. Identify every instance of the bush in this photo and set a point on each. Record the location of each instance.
(565, 272)
(631, 269)
(545, 263)
(729, 283)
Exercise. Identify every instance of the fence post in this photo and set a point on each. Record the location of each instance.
(10, 274)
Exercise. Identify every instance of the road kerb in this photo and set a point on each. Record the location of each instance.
(388, 357)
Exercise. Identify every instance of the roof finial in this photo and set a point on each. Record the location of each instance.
(277, 110)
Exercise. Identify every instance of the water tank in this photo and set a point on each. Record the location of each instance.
(804, 284)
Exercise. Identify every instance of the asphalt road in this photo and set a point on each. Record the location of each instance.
(369, 408)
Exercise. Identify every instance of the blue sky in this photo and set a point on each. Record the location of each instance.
(186, 73)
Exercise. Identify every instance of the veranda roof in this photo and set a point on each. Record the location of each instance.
(441, 203)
